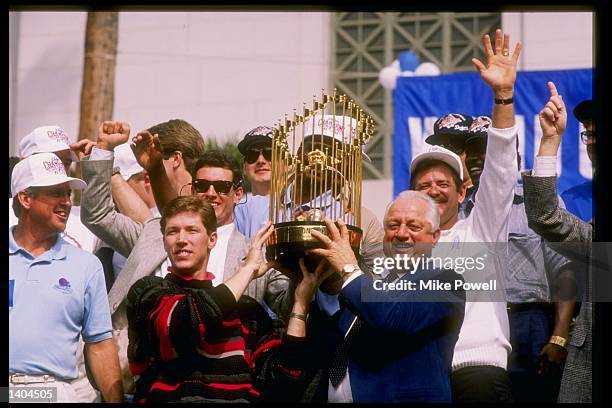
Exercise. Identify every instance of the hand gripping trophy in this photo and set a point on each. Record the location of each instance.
(316, 173)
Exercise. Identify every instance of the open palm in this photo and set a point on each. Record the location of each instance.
(500, 69)
(254, 257)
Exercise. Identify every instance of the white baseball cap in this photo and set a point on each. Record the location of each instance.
(438, 153)
(41, 170)
(125, 160)
(342, 128)
(45, 139)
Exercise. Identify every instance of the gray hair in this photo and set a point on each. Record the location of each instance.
(17, 207)
(433, 214)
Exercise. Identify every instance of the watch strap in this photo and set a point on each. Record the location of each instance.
(559, 341)
(504, 101)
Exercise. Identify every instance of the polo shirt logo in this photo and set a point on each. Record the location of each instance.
(63, 286)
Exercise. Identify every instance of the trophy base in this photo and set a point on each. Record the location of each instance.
(292, 240)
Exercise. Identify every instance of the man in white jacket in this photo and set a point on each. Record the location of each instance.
(481, 353)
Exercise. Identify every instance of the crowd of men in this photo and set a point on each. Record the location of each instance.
(155, 288)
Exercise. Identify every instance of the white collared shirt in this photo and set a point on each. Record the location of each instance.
(216, 261)
(343, 392)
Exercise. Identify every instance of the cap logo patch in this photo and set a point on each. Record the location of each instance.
(59, 135)
(334, 126)
(260, 131)
(450, 122)
(480, 124)
(54, 166)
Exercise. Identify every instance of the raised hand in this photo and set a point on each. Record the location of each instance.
(147, 150)
(500, 70)
(82, 148)
(254, 258)
(111, 134)
(337, 251)
(553, 117)
(310, 281)
(253, 266)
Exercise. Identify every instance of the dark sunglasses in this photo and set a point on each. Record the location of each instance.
(253, 154)
(220, 186)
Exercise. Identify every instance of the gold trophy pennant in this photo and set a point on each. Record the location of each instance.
(316, 173)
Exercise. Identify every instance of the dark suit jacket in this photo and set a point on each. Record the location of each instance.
(405, 349)
(556, 224)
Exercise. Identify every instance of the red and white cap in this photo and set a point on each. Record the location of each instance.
(41, 170)
(438, 153)
(45, 139)
(342, 128)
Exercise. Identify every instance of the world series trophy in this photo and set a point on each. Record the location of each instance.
(316, 173)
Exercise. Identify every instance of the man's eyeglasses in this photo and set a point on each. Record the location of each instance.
(453, 147)
(253, 154)
(587, 137)
(220, 186)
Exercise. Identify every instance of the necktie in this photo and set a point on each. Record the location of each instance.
(339, 363)
(391, 277)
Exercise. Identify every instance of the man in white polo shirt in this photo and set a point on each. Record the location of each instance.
(56, 291)
(481, 353)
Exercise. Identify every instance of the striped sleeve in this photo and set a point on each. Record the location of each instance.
(281, 367)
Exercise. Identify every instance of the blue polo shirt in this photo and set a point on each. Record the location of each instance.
(53, 298)
(251, 215)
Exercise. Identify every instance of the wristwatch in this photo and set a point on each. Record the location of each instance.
(348, 269)
(559, 341)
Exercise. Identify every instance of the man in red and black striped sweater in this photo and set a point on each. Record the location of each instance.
(190, 341)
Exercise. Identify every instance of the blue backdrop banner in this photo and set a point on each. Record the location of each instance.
(419, 101)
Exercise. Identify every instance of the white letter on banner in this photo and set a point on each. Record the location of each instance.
(418, 133)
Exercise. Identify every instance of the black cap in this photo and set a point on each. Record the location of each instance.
(479, 128)
(450, 128)
(584, 110)
(259, 135)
